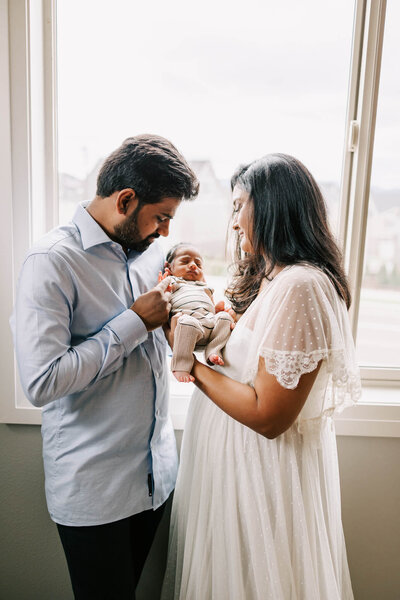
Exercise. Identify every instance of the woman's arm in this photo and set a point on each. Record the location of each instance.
(268, 408)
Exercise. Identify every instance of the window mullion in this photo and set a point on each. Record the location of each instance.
(362, 161)
(43, 117)
(50, 109)
(20, 130)
(352, 103)
(25, 134)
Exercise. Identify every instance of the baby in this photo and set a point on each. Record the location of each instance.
(199, 326)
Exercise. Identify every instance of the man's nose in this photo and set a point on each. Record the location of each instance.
(192, 266)
(163, 228)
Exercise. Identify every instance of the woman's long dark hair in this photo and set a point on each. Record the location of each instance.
(289, 226)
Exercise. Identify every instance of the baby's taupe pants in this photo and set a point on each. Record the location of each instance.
(210, 332)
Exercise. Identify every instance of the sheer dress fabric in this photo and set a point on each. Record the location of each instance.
(258, 519)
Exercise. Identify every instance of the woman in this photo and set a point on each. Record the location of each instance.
(256, 512)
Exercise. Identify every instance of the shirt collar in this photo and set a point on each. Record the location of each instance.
(91, 232)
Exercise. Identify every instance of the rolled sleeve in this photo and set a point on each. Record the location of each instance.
(130, 330)
(51, 364)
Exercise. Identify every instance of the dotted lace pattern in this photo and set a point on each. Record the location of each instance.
(344, 388)
(288, 367)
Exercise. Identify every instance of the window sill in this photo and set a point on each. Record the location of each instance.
(378, 415)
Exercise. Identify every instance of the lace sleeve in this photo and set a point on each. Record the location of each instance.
(288, 367)
(307, 323)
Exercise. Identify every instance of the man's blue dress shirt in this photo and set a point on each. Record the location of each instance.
(87, 359)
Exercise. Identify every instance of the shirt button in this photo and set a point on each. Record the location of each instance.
(157, 374)
(158, 412)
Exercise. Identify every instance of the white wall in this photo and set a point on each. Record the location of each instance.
(370, 480)
(32, 564)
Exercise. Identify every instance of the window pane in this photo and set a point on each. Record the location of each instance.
(379, 318)
(225, 82)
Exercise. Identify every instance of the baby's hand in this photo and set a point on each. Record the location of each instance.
(220, 306)
(167, 273)
(161, 277)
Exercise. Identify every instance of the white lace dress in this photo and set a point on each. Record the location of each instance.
(258, 519)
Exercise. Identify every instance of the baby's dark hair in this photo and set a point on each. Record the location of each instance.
(172, 252)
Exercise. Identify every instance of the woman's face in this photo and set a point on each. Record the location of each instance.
(243, 218)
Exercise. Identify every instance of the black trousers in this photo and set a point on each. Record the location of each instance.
(105, 561)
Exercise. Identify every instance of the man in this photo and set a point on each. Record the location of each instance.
(91, 352)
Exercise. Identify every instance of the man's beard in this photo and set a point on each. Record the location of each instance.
(127, 234)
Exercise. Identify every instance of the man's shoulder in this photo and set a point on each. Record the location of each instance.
(56, 240)
(155, 252)
(152, 258)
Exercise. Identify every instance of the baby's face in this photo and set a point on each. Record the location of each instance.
(187, 264)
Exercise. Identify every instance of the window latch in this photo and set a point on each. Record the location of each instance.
(353, 136)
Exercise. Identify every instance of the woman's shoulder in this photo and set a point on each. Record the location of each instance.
(308, 283)
(303, 275)
(298, 283)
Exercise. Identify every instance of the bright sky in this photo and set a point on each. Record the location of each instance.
(224, 80)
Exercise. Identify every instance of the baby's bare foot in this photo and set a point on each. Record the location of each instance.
(216, 360)
(183, 376)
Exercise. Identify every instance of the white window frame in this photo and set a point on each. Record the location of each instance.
(28, 163)
(357, 159)
(22, 138)
(372, 416)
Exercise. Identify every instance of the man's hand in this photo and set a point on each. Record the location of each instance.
(154, 306)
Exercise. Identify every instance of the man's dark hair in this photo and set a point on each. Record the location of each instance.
(152, 167)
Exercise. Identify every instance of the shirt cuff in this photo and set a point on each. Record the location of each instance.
(130, 330)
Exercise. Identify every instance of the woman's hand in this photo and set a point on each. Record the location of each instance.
(220, 306)
(267, 408)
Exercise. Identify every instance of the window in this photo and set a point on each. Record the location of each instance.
(236, 85)
(27, 143)
(379, 315)
(226, 85)
(366, 235)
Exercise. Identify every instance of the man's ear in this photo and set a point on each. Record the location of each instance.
(127, 201)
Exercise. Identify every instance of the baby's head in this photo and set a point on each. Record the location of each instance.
(185, 261)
